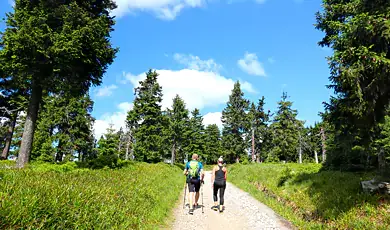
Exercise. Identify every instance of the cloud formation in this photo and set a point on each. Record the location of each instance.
(199, 89)
(213, 118)
(199, 84)
(117, 119)
(163, 9)
(105, 91)
(251, 65)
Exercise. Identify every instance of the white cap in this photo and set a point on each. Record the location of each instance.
(220, 159)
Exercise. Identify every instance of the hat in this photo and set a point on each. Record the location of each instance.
(220, 159)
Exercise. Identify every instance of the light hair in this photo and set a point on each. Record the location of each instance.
(194, 156)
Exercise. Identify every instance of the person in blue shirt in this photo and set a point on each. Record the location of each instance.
(195, 176)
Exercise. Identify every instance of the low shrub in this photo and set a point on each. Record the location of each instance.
(139, 196)
(311, 198)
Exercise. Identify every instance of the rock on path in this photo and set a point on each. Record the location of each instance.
(241, 212)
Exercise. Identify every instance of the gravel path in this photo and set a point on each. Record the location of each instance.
(241, 212)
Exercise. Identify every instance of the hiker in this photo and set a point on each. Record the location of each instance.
(218, 182)
(195, 176)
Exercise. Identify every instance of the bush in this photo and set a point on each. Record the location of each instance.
(311, 198)
(62, 197)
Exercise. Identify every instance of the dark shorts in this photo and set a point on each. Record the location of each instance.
(193, 185)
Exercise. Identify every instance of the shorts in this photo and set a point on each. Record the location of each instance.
(193, 185)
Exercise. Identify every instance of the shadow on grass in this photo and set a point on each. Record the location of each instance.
(334, 193)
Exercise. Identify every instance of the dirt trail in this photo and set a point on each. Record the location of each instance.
(241, 212)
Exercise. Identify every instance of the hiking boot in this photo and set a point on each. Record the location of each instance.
(191, 211)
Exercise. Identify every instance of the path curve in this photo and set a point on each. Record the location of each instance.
(242, 211)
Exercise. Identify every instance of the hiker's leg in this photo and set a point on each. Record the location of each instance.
(222, 194)
(191, 190)
(197, 188)
(215, 193)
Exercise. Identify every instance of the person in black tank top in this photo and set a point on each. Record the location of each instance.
(218, 181)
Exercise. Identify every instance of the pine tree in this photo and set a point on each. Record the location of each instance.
(53, 47)
(146, 120)
(212, 144)
(235, 125)
(178, 126)
(286, 132)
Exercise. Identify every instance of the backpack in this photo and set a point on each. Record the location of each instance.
(194, 169)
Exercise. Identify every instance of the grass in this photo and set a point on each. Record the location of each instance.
(139, 196)
(314, 199)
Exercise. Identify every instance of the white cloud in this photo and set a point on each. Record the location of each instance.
(271, 60)
(195, 63)
(199, 89)
(213, 118)
(251, 65)
(117, 119)
(105, 91)
(163, 9)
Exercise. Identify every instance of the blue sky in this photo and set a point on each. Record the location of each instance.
(201, 47)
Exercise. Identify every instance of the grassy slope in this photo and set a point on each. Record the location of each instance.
(139, 196)
(311, 199)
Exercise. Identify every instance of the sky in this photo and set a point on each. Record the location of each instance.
(200, 48)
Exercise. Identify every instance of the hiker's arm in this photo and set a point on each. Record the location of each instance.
(185, 172)
(213, 176)
(226, 172)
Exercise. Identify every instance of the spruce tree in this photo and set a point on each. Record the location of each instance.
(146, 120)
(358, 32)
(286, 132)
(195, 135)
(178, 127)
(212, 144)
(235, 125)
(258, 119)
(68, 122)
(12, 102)
(53, 47)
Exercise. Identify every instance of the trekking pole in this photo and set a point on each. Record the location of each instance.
(202, 197)
(185, 191)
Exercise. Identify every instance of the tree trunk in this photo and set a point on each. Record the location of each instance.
(127, 149)
(173, 153)
(60, 152)
(300, 148)
(381, 162)
(253, 145)
(316, 156)
(258, 158)
(29, 126)
(323, 145)
(300, 154)
(10, 133)
(119, 145)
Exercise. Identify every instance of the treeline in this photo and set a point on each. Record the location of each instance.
(249, 133)
(52, 53)
(64, 131)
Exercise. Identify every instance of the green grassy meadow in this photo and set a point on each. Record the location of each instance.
(138, 196)
(314, 199)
